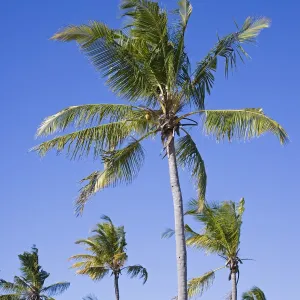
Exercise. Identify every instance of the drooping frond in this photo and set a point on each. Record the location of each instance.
(254, 294)
(85, 115)
(188, 156)
(90, 297)
(197, 286)
(241, 124)
(120, 166)
(55, 289)
(96, 139)
(137, 271)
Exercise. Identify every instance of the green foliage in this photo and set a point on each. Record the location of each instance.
(220, 235)
(254, 294)
(189, 156)
(107, 253)
(30, 285)
(145, 62)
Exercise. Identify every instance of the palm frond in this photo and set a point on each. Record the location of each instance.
(137, 270)
(254, 294)
(228, 48)
(10, 297)
(168, 233)
(197, 286)
(90, 297)
(119, 166)
(241, 124)
(8, 287)
(85, 115)
(56, 288)
(188, 156)
(81, 143)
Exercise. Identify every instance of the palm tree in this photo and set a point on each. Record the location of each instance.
(107, 255)
(31, 284)
(220, 235)
(146, 64)
(254, 294)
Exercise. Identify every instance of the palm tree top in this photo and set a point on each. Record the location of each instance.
(106, 253)
(30, 285)
(146, 63)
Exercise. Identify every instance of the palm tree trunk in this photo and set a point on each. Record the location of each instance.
(234, 286)
(179, 223)
(117, 292)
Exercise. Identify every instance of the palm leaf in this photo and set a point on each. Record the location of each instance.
(9, 287)
(119, 166)
(85, 115)
(10, 297)
(198, 285)
(254, 294)
(241, 124)
(137, 270)
(189, 156)
(56, 289)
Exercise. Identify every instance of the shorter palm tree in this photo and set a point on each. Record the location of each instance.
(108, 255)
(220, 235)
(254, 294)
(30, 285)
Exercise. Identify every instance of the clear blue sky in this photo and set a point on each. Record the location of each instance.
(40, 77)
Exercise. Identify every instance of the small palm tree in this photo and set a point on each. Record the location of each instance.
(107, 255)
(31, 284)
(220, 235)
(146, 64)
(254, 294)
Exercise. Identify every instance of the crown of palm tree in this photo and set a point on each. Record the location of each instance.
(106, 253)
(146, 63)
(30, 285)
(220, 235)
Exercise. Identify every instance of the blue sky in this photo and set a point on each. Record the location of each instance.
(40, 77)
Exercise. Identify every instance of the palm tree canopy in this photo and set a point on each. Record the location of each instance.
(222, 228)
(106, 253)
(146, 63)
(254, 294)
(30, 285)
(220, 235)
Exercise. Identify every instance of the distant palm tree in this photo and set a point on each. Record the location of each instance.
(30, 285)
(254, 294)
(146, 63)
(220, 235)
(107, 255)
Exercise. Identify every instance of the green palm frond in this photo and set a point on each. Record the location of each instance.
(137, 270)
(241, 124)
(116, 56)
(228, 48)
(8, 287)
(188, 156)
(120, 166)
(85, 115)
(254, 294)
(90, 297)
(198, 285)
(10, 297)
(80, 143)
(56, 289)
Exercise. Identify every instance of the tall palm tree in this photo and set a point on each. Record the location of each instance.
(107, 255)
(146, 64)
(220, 235)
(254, 294)
(31, 284)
